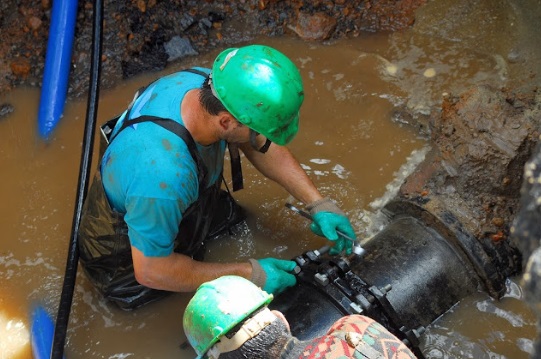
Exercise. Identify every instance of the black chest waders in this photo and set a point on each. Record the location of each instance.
(105, 250)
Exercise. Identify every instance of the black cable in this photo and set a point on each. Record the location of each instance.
(68, 287)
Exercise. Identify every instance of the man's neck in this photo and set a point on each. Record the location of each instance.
(196, 119)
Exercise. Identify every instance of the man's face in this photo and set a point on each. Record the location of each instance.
(237, 133)
(240, 133)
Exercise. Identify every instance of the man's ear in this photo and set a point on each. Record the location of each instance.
(226, 120)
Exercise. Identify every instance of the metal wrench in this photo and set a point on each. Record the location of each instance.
(357, 249)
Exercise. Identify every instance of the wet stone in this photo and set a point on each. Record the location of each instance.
(5, 109)
(178, 48)
(186, 21)
(315, 27)
(34, 23)
(20, 67)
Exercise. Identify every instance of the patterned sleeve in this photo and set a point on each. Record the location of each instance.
(360, 337)
(369, 337)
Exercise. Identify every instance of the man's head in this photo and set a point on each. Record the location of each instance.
(227, 313)
(261, 88)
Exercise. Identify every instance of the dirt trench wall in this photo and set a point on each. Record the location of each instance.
(136, 32)
(473, 173)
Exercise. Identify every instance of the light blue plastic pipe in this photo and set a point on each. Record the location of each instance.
(57, 65)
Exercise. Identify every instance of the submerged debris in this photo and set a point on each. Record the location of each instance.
(5, 109)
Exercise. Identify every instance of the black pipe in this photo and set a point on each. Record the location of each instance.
(68, 287)
(414, 270)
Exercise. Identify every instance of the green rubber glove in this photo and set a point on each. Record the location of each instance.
(272, 274)
(327, 218)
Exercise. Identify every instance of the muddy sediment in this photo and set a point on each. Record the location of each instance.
(473, 172)
(143, 36)
(481, 141)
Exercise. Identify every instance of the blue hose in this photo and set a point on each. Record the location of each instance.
(57, 65)
(41, 333)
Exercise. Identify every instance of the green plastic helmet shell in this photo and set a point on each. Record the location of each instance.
(262, 88)
(218, 306)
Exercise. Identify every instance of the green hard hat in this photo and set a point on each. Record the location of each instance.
(218, 306)
(262, 88)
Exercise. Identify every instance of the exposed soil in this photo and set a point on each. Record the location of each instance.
(137, 32)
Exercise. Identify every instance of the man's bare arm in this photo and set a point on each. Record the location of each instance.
(180, 273)
(279, 165)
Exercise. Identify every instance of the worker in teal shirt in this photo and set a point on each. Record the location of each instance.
(157, 195)
(151, 189)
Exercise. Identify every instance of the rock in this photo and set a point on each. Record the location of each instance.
(141, 5)
(33, 23)
(179, 47)
(315, 27)
(5, 109)
(186, 21)
(20, 67)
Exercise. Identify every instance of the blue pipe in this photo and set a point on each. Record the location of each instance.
(57, 65)
(41, 333)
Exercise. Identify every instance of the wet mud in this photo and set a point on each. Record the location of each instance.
(141, 36)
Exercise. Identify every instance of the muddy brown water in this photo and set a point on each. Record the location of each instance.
(348, 143)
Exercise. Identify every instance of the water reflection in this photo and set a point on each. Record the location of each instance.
(15, 336)
(498, 329)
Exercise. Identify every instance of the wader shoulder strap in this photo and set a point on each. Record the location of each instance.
(196, 71)
(173, 126)
(236, 169)
(181, 132)
(142, 89)
(186, 136)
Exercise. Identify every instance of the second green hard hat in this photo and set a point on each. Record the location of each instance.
(217, 307)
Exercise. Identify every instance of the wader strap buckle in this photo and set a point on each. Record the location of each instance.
(236, 168)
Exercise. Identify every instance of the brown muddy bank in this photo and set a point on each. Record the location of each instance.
(145, 35)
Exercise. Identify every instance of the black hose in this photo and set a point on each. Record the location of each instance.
(68, 287)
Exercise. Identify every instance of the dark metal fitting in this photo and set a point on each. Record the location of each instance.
(386, 289)
(312, 255)
(363, 301)
(300, 261)
(356, 308)
(322, 279)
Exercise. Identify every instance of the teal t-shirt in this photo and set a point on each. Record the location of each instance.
(147, 171)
